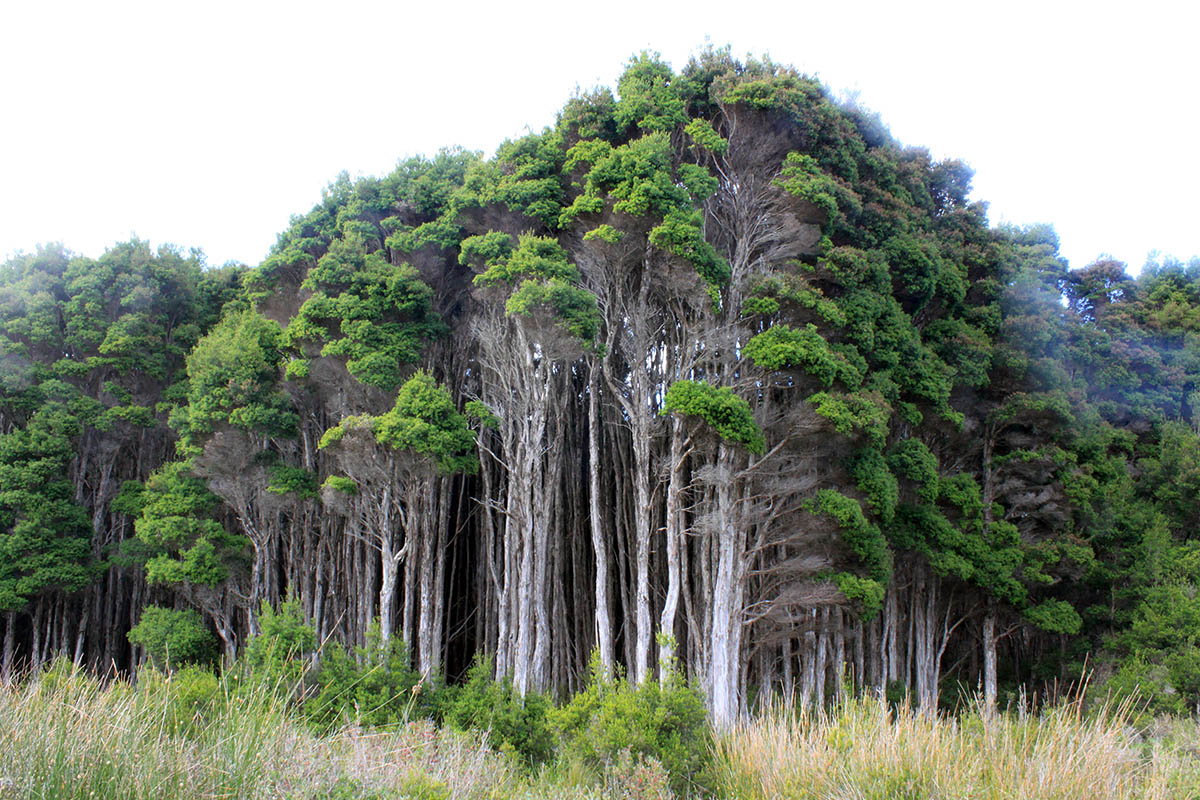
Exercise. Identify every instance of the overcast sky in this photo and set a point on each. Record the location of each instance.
(207, 124)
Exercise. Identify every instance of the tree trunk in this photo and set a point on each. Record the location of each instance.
(989, 660)
(604, 629)
(723, 659)
(10, 635)
(666, 625)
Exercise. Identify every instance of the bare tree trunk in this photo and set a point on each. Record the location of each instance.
(989, 659)
(389, 561)
(789, 683)
(808, 660)
(666, 625)
(10, 635)
(722, 656)
(821, 658)
(604, 629)
(81, 634)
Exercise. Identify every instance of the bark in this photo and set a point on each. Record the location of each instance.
(723, 658)
(666, 626)
(604, 640)
(10, 635)
(989, 660)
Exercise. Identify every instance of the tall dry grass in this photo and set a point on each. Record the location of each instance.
(66, 736)
(864, 750)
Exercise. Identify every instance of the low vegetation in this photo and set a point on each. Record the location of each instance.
(195, 734)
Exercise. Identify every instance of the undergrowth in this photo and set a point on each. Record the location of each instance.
(194, 735)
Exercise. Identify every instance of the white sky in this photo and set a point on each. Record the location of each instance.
(207, 124)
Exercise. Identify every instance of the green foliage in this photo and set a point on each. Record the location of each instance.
(866, 594)
(1055, 616)
(703, 135)
(604, 233)
(547, 281)
(376, 316)
(573, 308)
(668, 723)
(173, 638)
(479, 411)
(682, 234)
(802, 176)
(188, 545)
(44, 533)
(232, 374)
(424, 420)
(783, 347)
(373, 686)
(649, 97)
(340, 483)
(537, 257)
(860, 536)
(286, 479)
(277, 656)
(912, 460)
(514, 724)
(870, 472)
(852, 413)
(717, 406)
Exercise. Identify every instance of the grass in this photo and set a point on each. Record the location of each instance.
(192, 737)
(66, 736)
(865, 750)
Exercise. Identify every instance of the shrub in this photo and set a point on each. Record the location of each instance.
(666, 724)
(186, 699)
(514, 725)
(277, 656)
(375, 685)
(174, 637)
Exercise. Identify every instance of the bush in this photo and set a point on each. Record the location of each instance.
(173, 638)
(277, 656)
(664, 724)
(187, 699)
(375, 685)
(514, 725)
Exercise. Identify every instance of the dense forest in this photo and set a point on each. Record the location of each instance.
(712, 375)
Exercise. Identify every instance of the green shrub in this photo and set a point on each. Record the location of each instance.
(278, 656)
(1147, 689)
(515, 725)
(419, 786)
(373, 686)
(666, 724)
(173, 638)
(185, 700)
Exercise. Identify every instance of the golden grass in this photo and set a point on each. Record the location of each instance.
(862, 750)
(66, 736)
(69, 737)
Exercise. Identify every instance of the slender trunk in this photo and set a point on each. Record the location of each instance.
(808, 659)
(641, 448)
(425, 604)
(821, 658)
(604, 630)
(722, 657)
(81, 633)
(388, 562)
(789, 684)
(10, 635)
(989, 660)
(36, 647)
(443, 542)
(666, 626)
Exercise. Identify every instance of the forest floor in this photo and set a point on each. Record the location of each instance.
(67, 736)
